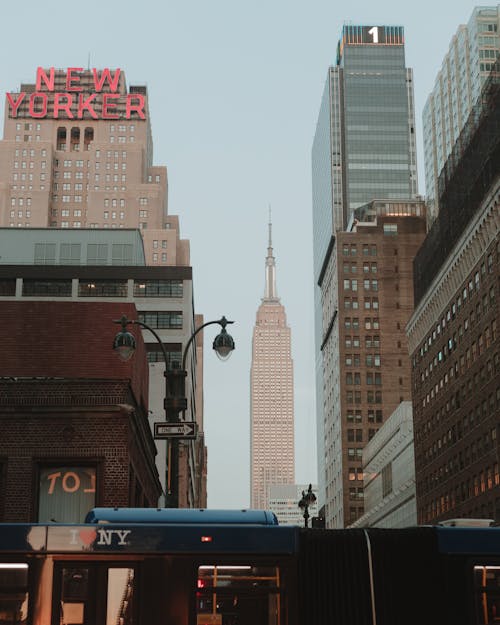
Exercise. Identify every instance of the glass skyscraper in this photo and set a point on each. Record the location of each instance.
(471, 56)
(364, 148)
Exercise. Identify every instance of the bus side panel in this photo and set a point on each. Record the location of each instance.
(333, 578)
(409, 577)
(167, 588)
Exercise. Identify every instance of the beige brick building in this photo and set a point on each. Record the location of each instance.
(77, 152)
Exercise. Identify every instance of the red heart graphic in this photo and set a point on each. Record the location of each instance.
(87, 536)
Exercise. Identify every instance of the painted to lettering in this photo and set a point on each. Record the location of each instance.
(70, 482)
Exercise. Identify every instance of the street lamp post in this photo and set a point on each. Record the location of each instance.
(308, 498)
(175, 400)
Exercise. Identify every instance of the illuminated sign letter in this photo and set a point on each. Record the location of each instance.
(71, 77)
(40, 110)
(59, 105)
(84, 104)
(107, 104)
(138, 108)
(374, 33)
(41, 75)
(106, 75)
(15, 104)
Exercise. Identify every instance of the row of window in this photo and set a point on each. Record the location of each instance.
(352, 303)
(353, 267)
(352, 249)
(97, 165)
(29, 164)
(368, 285)
(469, 489)
(484, 339)
(354, 360)
(20, 201)
(28, 126)
(370, 342)
(356, 416)
(110, 154)
(465, 362)
(354, 378)
(461, 428)
(372, 397)
(63, 288)
(473, 285)
(478, 449)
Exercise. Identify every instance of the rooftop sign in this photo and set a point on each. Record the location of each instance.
(76, 93)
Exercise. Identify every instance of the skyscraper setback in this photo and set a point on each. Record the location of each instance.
(272, 455)
(364, 149)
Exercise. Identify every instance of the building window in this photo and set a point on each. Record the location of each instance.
(66, 493)
(155, 354)
(70, 254)
(158, 288)
(390, 229)
(162, 319)
(97, 253)
(122, 253)
(45, 254)
(7, 287)
(102, 288)
(387, 480)
(45, 288)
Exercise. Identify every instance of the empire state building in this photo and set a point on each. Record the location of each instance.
(272, 453)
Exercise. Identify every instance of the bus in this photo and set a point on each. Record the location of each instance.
(136, 566)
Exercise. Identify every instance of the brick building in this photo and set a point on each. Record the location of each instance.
(76, 170)
(366, 283)
(73, 417)
(453, 332)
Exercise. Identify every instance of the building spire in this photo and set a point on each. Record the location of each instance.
(270, 292)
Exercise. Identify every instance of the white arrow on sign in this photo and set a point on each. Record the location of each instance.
(180, 429)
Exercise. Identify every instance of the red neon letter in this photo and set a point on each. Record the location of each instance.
(35, 111)
(138, 108)
(41, 75)
(107, 103)
(84, 105)
(106, 75)
(70, 78)
(15, 104)
(63, 106)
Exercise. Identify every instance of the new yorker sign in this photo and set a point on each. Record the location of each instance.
(100, 97)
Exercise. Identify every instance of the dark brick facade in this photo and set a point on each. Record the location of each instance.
(67, 400)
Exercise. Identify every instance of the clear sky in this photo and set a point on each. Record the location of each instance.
(234, 94)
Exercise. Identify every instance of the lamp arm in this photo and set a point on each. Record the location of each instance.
(222, 322)
(145, 325)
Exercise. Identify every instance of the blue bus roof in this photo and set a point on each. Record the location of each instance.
(196, 516)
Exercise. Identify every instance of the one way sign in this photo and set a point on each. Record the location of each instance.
(179, 429)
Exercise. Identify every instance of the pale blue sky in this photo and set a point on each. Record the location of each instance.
(234, 93)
